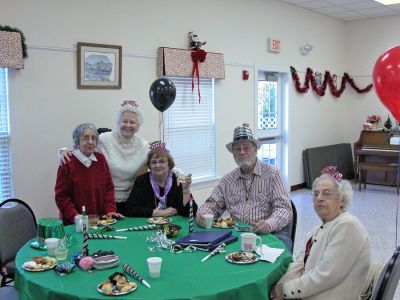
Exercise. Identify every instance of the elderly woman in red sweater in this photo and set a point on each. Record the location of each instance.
(86, 180)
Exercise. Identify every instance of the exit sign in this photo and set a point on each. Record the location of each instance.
(274, 45)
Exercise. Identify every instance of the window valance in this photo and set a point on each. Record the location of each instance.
(11, 55)
(178, 62)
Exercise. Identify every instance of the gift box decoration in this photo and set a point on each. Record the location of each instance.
(178, 62)
(11, 50)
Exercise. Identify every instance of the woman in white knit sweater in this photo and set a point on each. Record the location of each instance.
(336, 259)
(125, 153)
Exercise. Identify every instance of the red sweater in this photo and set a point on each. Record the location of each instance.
(78, 185)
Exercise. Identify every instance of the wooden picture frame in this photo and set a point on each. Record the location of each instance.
(99, 66)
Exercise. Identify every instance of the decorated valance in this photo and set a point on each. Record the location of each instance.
(12, 49)
(178, 62)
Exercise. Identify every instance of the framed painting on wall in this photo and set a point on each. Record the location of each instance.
(99, 66)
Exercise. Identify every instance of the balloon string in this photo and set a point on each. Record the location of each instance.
(161, 126)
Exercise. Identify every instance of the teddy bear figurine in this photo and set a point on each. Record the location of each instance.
(195, 43)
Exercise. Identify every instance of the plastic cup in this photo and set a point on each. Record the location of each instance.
(208, 219)
(181, 178)
(78, 223)
(154, 264)
(93, 219)
(52, 244)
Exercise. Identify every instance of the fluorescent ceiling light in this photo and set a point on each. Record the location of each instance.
(388, 2)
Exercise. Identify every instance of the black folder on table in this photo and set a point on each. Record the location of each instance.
(227, 241)
(204, 238)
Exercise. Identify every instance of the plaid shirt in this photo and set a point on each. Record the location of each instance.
(268, 198)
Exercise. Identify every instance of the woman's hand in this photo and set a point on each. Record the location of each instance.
(170, 211)
(63, 156)
(116, 215)
(186, 183)
(277, 292)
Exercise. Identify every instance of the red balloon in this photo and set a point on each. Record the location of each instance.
(386, 76)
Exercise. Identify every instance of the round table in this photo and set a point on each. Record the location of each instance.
(183, 275)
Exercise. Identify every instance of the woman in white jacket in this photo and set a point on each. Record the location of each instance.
(336, 259)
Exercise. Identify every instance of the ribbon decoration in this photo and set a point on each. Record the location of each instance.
(138, 228)
(198, 55)
(97, 236)
(128, 269)
(191, 220)
(85, 237)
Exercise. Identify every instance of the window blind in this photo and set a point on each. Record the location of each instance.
(6, 187)
(189, 128)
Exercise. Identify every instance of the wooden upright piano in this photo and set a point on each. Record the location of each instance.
(376, 160)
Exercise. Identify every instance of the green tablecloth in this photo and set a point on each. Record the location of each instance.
(183, 275)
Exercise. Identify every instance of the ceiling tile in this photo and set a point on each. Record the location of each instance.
(362, 9)
(331, 9)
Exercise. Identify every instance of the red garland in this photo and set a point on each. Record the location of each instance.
(320, 90)
(198, 55)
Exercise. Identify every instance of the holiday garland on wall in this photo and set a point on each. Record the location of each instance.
(320, 89)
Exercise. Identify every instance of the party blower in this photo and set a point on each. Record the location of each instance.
(128, 269)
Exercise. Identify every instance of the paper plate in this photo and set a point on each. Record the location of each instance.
(39, 270)
(244, 258)
(216, 225)
(113, 221)
(114, 291)
(159, 220)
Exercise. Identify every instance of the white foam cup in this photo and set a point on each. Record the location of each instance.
(154, 264)
(52, 244)
(208, 219)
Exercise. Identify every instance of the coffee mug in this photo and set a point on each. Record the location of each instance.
(250, 241)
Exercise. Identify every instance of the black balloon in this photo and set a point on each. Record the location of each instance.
(162, 94)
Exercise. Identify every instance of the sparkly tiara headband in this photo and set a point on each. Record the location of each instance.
(130, 102)
(158, 146)
(331, 170)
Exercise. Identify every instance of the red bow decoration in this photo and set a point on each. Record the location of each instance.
(198, 55)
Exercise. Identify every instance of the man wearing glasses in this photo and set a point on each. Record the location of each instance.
(253, 193)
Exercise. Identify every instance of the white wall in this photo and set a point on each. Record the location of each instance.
(367, 40)
(46, 105)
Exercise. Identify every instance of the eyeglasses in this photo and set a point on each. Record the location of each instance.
(160, 162)
(244, 148)
(323, 193)
(88, 138)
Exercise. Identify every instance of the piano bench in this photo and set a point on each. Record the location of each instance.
(364, 167)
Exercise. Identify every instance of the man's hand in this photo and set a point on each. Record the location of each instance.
(200, 220)
(261, 226)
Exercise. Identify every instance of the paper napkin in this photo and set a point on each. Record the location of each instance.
(269, 254)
